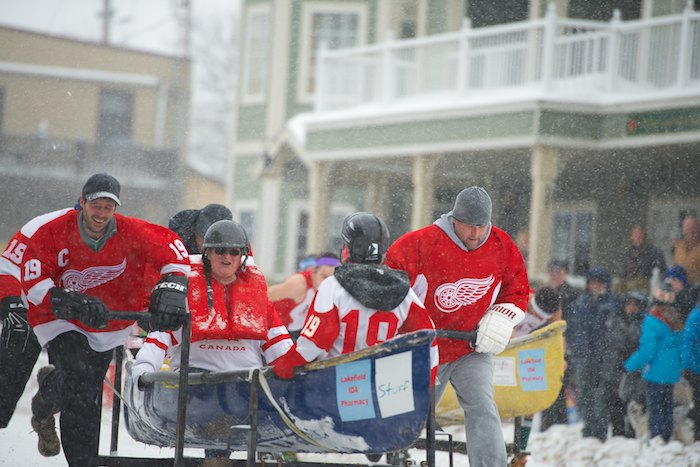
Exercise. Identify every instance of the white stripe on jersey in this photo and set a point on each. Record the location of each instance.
(37, 293)
(8, 268)
(172, 267)
(33, 225)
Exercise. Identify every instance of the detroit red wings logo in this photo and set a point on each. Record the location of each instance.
(91, 277)
(449, 297)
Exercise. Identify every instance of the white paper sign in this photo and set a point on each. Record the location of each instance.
(504, 371)
(394, 384)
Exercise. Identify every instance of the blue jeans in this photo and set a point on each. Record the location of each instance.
(660, 407)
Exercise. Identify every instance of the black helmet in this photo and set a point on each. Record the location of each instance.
(226, 234)
(366, 238)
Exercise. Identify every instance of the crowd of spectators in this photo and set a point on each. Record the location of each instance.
(631, 341)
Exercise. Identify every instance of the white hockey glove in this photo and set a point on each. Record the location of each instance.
(496, 327)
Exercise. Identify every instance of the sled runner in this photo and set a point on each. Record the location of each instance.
(374, 400)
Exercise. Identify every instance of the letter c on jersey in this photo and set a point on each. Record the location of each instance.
(63, 257)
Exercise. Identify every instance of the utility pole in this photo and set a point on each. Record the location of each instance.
(106, 14)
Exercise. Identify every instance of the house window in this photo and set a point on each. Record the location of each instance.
(335, 226)
(256, 54)
(297, 242)
(664, 222)
(572, 238)
(244, 212)
(337, 26)
(115, 120)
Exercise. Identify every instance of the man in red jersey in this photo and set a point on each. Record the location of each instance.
(471, 276)
(79, 265)
(19, 348)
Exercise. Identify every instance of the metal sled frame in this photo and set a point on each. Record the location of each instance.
(184, 380)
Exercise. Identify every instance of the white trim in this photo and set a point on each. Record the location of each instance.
(247, 97)
(306, 69)
(414, 150)
(80, 74)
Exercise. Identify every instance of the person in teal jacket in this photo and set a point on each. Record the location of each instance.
(691, 363)
(659, 359)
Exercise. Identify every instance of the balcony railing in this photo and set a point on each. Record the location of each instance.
(74, 159)
(552, 54)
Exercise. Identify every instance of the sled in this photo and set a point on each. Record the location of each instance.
(527, 375)
(372, 401)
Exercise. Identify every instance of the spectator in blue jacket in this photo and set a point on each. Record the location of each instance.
(585, 336)
(659, 358)
(691, 361)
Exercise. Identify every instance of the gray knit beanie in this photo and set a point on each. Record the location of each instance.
(473, 206)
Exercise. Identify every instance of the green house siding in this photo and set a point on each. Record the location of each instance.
(595, 127)
(433, 131)
(251, 123)
(246, 184)
(564, 124)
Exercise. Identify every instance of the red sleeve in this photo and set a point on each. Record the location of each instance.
(162, 248)
(10, 263)
(321, 328)
(417, 320)
(517, 289)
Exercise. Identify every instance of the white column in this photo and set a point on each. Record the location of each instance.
(377, 195)
(544, 166)
(319, 205)
(423, 190)
(267, 225)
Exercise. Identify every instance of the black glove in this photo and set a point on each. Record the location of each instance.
(69, 304)
(168, 306)
(11, 305)
(14, 318)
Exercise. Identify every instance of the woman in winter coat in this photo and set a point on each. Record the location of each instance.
(659, 359)
(234, 325)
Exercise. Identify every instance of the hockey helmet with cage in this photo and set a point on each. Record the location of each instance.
(227, 234)
(365, 238)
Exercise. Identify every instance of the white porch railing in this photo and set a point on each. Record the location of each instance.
(552, 54)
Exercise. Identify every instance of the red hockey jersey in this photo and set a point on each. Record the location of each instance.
(56, 255)
(458, 286)
(11, 258)
(338, 323)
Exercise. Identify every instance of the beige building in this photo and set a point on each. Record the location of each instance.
(71, 108)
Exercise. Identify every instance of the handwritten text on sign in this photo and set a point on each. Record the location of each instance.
(531, 370)
(394, 384)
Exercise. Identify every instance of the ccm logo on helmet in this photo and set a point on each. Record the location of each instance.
(170, 285)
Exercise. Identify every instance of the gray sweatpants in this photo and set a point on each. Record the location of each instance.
(472, 378)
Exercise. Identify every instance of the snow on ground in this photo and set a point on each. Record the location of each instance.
(560, 446)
